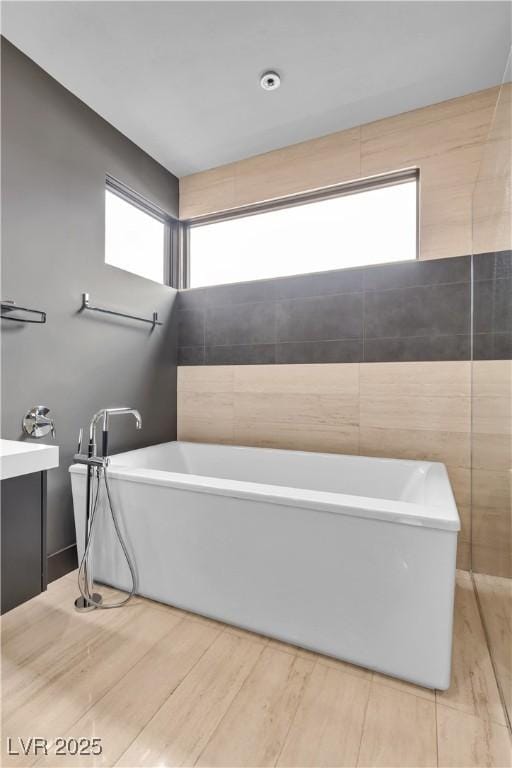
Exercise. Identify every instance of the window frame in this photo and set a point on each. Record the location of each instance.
(290, 201)
(171, 254)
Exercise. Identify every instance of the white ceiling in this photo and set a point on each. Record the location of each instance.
(181, 78)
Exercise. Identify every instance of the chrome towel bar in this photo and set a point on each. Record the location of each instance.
(86, 304)
(9, 306)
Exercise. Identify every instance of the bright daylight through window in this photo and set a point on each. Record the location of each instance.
(134, 239)
(368, 226)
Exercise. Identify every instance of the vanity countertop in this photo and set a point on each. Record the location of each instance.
(22, 458)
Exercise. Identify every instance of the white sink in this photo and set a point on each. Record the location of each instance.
(17, 458)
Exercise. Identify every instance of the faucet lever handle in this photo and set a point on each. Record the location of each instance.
(80, 440)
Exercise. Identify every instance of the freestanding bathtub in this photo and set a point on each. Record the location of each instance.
(349, 556)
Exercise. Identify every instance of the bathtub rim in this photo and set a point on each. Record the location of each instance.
(443, 517)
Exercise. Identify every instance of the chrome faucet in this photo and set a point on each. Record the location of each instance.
(97, 465)
(37, 423)
(105, 414)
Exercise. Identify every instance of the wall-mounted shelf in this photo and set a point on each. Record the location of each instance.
(9, 307)
(86, 304)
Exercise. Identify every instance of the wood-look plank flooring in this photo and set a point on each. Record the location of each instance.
(162, 687)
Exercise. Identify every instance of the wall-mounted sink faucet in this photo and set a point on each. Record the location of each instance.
(37, 423)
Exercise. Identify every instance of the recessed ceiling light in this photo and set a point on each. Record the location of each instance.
(269, 81)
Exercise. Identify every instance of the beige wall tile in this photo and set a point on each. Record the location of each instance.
(463, 555)
(492, 415)
(206, 431)
(492, 488)
(205, 405)
(206, 378)
(491, 451)
(425, 379)
(436, 134)
(492, 378)
(451, 448)
(465, 523)
(460, 479)
(320, 379)
(298, 168)
(417, 413)
(288, 409)
(207, 192)
(446, 141)
(444, 110)
(489, 560)
(300, 437)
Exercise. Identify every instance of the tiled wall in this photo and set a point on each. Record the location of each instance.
(492, 381)
(402, 410)
(445, 141)
(394, 312)
(375, 361)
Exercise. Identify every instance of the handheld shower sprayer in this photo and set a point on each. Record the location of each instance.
(97, 465)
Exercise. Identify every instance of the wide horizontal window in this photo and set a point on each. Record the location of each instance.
(352, 228)
(135, 236)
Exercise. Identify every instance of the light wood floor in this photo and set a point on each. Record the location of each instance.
(161, 687)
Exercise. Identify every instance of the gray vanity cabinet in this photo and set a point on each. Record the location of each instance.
(23, 542)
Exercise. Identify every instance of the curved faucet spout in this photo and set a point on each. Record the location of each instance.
(105, 414)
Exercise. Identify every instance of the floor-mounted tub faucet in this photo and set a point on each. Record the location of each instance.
(89, 599)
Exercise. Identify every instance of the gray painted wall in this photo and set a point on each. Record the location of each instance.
(55, 154)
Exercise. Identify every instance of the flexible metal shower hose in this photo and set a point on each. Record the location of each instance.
(82, 571)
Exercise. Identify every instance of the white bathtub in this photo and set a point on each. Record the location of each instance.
(349, 556)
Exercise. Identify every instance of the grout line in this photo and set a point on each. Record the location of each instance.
(363, 725)
(488, 643)
(171, 693)
(92, 704)
(299, 702)
(437, 729)
(228, 708)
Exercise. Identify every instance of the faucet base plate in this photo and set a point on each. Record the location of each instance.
(82, 605)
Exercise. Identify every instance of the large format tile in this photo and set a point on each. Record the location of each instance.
(208, 380)
(240, 354)
(421, 311)
(495, 596)
(473, 688)
(191, 325)
(338, 281)
(328, 725)
(339, 351)
(408, 274)
(466, 741)
(453, 448)
(397, 380)
(492, 346)
(399, 730)
(240, 324)
(84, 673)
(190, 356)
(181, 729)
(321, 318)
(254, 729)
(336, 379)
(428, 413)
(418, 348)
(121, 714)
(492, 310)
(300, 167)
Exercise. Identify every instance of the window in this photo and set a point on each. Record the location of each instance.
(136, 234)
(347, 227)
